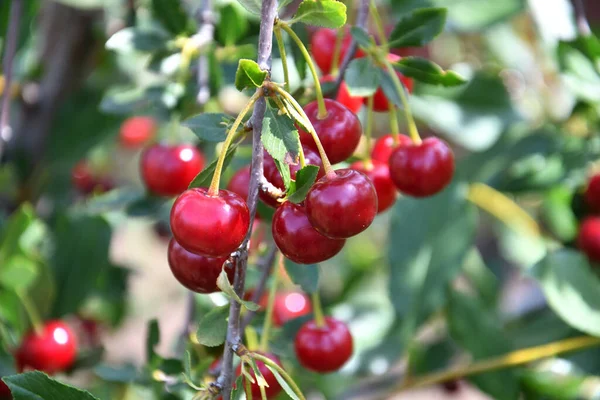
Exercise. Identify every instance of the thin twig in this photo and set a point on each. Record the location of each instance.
(265, 266)
(12, 35)
(361, 22)
(206, 31)
(265, 44)
(582, 24)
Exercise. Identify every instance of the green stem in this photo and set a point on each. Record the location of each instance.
(213, 190)
(320, 100)
(369, 128)
(284, 375)
(301, 156)
(248, 386)
(31, 310)
(337, 50)
(318, 309)
(394, 128)
(378, 25)
(264, 339)
(410, 121)
(281, 45)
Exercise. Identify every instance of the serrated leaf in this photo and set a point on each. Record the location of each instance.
(428, 72)
(203, 178)
(18, 273)
(238, 388)
(325, 13)
(282, 382)
(212, 328)
(210, 127)
(281, 140)
(225, 286)
(361, 36)
(304, 275)
(249, 75)
(418, 28)
(362, 77)
(305, 177)
(152, 339)
(36, 385)
(253, 6)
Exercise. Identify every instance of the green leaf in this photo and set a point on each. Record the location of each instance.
(113, 200)
(19, 273)
(38, 386)
(12, 230)
(481, 278)
(282, 382)
(209, 127)
(249, 75)
(148, 206)
(418, 28)
(121, 374)
(572, 289)
(172, 16)
(203, 178)
(558, 215)
(428, 72)
(305, 177)
(253, 6)
(554, 385)
(299, 60)
(304, 275)
(362, 37)
(362, 77)
(212, 328)
(325, 13)
(225, 286)
(152, 339)
(389, 89)
(233, 25)
(130, 39)
(238, 388)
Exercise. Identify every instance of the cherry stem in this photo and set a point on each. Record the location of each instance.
(251, 337)
(311, 65)
(369, 127)
(264, 338)
(318, 309)
(284, 64)
(410, 121)
(263, 393)
(31, 310)
(284, 375)
(248, 386)
(394, 128)
(213, 190)
(337, 50)
(301, 156)
(378, 25)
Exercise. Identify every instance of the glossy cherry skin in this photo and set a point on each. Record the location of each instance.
(592, 193)
(298, 240)
(379, 173)
(339, 131)
(342, 206)
(322, 46)
(4, 391)
(210, 225)
(168, 170)
(53, 350)
(196, 272)
(240, 182)
(323, 349)
(354, 104)
(290, 305)
(136, 131)
(588, 239)
(274, 388)
(380, 101)
(423, 169)
(385, 145)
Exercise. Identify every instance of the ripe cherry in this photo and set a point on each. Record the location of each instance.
(274, 388)
(4, 391)
(168, 170)
(379, 173)
(322, 46)
(422, 169)
(384, 146)
(380, 101)
(52, 350)
(298, 240)
(342, 206)
(339, 131)
(136, 131)
(354, 104)
(588, 239)
(326, 348)
(210, 225)
(240, 182)
(82, 177)
(194, 271)
(289, 306)
(592, 193)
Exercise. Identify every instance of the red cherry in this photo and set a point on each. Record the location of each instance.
(379, 173)
(323, 349)
(354, 104)
(4, 391)
(380, 101)
(592, 193)
(322, 46)
(136, 131)
(53, 350)
(289, 306)
(168, 170)
(339, 131)
(210, 225)
(274, 388)
(384, 146)
(271, 173)
(588, 239)
(298, 240)
(423, 169)
(194, 271)
(240, 182)
(343, 206)
(82, 177)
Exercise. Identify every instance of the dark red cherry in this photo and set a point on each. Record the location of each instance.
(271, 173)
(354, 104)
(380, 101)
(168, 170)
(339, 131)
(136, 131)
(592, 193)
(82, 177)
(52, 350)
(588, 239)
(4, 391)
(326, 348)
(194, 271)
(240, 182)
(210, 225)
(274, 388)
(385, 145)
(379, 173)
(322, 46)
(298, 240)
(290, 305)
(422, 169)
(342, 206)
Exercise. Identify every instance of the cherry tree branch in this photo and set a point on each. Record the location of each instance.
(233, 340)
(206, 32)
(266, 267)
(582, 24)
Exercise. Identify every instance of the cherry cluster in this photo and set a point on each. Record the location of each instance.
(588, 239)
